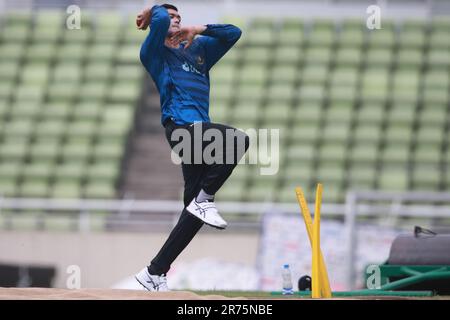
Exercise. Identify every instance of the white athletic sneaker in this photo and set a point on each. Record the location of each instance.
(151, 282)
(207, 212)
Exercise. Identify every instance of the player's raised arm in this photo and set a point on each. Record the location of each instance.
(217, 40)
(159, 26)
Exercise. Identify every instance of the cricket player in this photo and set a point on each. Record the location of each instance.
(179, 60)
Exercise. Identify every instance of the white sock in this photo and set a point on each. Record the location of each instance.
(203, 196)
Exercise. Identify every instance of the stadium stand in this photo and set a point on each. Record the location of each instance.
(356, 108)
(67, 103)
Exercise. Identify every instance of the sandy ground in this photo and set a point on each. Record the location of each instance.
(100, 294)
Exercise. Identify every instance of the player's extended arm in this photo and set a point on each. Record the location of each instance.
(153, 44)
(219, 38)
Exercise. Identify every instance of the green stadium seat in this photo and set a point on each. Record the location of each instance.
(250, 93)
(288, 55)
(40, 171)
(253, 74)
(435, 95)
(409, 58)
(371, 113)
(46, 35)
(86, 111)
(333, 173)
(427, 154)
(34, 188)
(291, 36)
(104, 172)
(383, 57)
(348, 57)
(98, 71)
(232, 57)
(344, 76)
(258, 55)
(398, 134)
(314, 74)
(218, 112)
(336, 132)
(339, 112)
(56, 111)
(107, 152)
(362, 175)
(308, 112)
(70, 51)
(367, 133)
(261, 193)
(221, 93)
(320, 56)
(24, 111)
(430, 135)
(322, 34)
(101, 190)
(50, 128)
(70, 172)
(277, 113)
(231, 191)
(351, 37)
(8, 188)
(411, 37)
(246, 112)
(29, 92)
(283, 93)
(426, 177)
(312, 93)
(8, 70)
(128, 53)
(395, 153)
(364, 152)
(438, 58)
(78, 36)
(36, 73)
(67, 72)
(18, 128)
(433, 115)
(75, 152)
(283, 74)
(102, 52)
(93, 91)
(259, 37)
(382, 38)
(393, 178)
(66, 190)
(11, 51)
(123, 92)
(18, 18)
(15, 33)
(44, 152)
(436, 79)
(63, 91)
(303, 152)
(401, 114)
(332, 153)
(40, 52)
(438, 39)
(306, 133)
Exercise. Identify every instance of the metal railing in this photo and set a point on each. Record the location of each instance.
(402, 204)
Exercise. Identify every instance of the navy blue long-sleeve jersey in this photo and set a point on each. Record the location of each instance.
(182, 75)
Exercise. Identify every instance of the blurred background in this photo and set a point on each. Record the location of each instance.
(85, 173)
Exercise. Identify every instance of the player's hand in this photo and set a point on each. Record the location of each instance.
(186, 34)
(143, 19)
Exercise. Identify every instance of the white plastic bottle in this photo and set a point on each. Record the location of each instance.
(287, 280)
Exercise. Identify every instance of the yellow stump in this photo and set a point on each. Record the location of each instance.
(325, 289)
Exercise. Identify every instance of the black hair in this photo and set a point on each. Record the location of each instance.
(169, 6)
